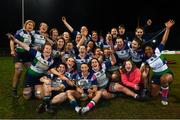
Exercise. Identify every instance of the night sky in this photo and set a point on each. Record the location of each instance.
(97, 15)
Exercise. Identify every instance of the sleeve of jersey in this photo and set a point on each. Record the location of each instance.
(161, 47)
(107, 64)
(65, 84)
(57, 62)
(18, 36)
(33, 52)
(74, 33)
(54, 65)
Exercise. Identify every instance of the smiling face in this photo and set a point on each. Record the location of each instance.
(114, 32)
(69, 46)
(29, 26)
(60, 43)
(134, 45)
(139, 32)
(98, 51)
(95, 64)
(54, 34)
(119, 42)
(82, 49)
(90, 44)
(94, 36)
(128, 66)
(84, 30)
(47, 50)
(121, 30)
(66, 36)
(109, 37)
(84, 69)
(61, 68)
(148, 51)
(70, 63)
(78, 38)
(43, 28)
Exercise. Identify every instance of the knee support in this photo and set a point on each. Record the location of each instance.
(38, 94)
(19, 68)
(111, 87)
(27, 95)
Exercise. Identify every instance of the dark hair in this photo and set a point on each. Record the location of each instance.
(121, 26)
(96, 49)
(120, 37)
(139, 27)
(140, 43)
(47, 43)
(94, 32)
(43, 23)
(148, 44)
(61, 37)
(85, 64)
(62, 64)
(91, 63)
(94, 45)
(75, 64)
(51, 31)
(124, 63)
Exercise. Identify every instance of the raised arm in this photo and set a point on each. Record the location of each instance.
(67, 24)
(23, 45)
(168, 24)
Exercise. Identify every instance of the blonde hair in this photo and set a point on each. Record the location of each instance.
(29, 21)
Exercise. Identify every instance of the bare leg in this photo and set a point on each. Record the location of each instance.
(61, 97)
(38, 91)
(17, 74)
(119, 88)
(107, 95)
(92, 103)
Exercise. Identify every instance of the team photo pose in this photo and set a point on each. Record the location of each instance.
(162, 75)
(42, 61)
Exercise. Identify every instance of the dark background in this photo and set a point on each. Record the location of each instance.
(97, 15)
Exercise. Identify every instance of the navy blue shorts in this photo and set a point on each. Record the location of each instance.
(31, 80)
(156, 77)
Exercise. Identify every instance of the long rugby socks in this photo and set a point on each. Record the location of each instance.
(46, 100)
(164, 93)
(90, 105)
(74, 105)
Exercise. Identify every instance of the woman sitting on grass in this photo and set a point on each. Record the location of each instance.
(54, 89)
(86, 88)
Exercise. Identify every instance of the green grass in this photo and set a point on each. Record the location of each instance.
(118, 108)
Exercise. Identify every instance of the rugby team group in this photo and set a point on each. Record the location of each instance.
(79, 65)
